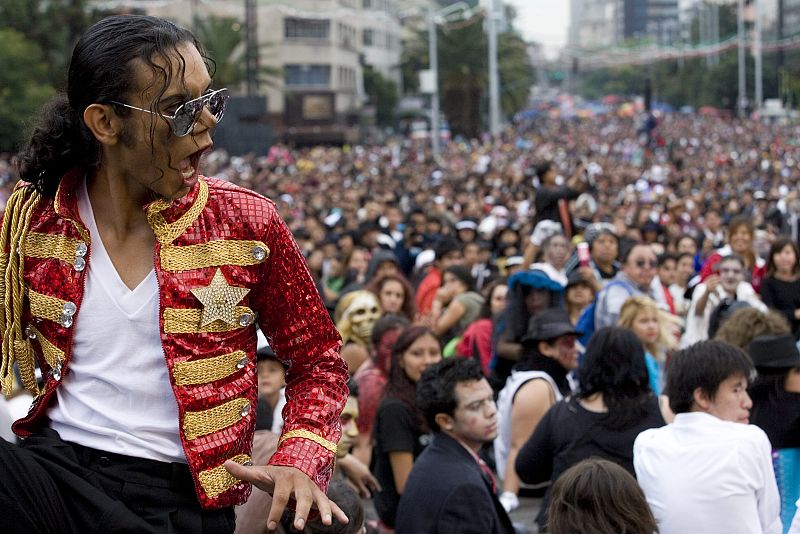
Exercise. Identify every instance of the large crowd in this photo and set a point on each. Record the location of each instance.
(592, 270)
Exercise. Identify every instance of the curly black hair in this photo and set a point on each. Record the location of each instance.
(436, 389)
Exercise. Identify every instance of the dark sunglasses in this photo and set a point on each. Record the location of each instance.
(643, 263)
(182, 122)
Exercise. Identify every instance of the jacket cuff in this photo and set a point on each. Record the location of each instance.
(308, 452)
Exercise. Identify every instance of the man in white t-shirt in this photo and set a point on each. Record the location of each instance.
(709, 471)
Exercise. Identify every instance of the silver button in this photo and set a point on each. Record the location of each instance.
(80, 263)
(259, 253)
(241, 363)
(248, 463)
(65, 320)
(246, 319)
(245, 410)
(81, 249)
(70, 308)
(30, 332)
(56, 371)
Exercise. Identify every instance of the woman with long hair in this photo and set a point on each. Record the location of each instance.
(400, 430)
(781, 287)
(456, 304)
(395, 294)
(739, 241)
(476, 342)
(613, 404)
(655, 328)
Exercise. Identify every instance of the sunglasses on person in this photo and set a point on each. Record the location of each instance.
(644, 263)
(183, 121)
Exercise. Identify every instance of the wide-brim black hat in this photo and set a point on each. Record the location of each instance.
(549, 324)
(776, 351)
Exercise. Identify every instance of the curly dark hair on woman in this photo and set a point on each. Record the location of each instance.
(102, 70)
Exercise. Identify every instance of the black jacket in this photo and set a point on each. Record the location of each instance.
(448, 493)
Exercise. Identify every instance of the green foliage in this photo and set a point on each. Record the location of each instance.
(23, 85)
(382, 94)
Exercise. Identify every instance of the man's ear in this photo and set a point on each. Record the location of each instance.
(445, 421)
(545, 349)
(701, 399)
(103, 123)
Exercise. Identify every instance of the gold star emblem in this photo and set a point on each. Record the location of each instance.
(219, 300)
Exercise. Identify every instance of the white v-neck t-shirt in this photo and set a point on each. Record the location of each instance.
(117, 395)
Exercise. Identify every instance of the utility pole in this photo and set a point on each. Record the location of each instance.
(251, 46)
(758, 57)
(494, 75)
(433, 53)
(742, 104)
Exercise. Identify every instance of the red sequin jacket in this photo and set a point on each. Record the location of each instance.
(217, 226)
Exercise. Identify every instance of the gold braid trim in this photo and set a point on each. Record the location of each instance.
(15, 348)
(52, 354)
(167, 232)
(51, 246)
(211, 254)
(45, 306)
(217, 479)
(305, 434)
(196, 424)
(187, 321)
(208, 370)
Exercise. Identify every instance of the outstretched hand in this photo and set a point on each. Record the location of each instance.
(283, 483)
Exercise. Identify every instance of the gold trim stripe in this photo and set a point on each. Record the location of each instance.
(211, 254)
(217, 479)
(187, 321)
(208, 369)
(38, 245)
(52, 354)
(196, 424)
(45, 306)
(305, 434)
(168, 232)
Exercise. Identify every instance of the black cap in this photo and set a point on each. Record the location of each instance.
(576, 278)
(549, 324)
(778, 351)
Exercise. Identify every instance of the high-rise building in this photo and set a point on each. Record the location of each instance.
(601, 23)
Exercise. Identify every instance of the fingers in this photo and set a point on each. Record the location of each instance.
(340, 516)
(280, 498)
(254, 475)
(304, 498)
(373, 483)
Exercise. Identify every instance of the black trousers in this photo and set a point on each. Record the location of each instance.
(50, 486)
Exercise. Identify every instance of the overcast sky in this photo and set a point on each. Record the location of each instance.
(543, 21)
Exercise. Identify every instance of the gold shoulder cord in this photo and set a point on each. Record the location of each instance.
(15, 348)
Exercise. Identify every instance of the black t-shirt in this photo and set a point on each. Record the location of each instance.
(396, 430)
(547, 201)
(569, 433)
(777, 412)
(783, 297)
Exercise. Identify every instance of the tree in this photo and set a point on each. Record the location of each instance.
(24, 86)
(382, 94)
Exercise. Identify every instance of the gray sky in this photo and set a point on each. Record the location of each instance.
(543, 21)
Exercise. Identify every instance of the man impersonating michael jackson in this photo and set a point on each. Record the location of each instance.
(135, 285)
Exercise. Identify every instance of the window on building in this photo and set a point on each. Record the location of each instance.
(368, 37)
(297, 28)
(307, 75)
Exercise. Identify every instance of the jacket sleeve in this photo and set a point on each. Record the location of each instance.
(294, 319)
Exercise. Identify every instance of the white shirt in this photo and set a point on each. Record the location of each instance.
(701, 474)
(117, 396)
(697, 326)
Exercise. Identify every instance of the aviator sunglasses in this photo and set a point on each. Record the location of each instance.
(186, 116)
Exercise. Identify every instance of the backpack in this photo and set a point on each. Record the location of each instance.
(585, 324)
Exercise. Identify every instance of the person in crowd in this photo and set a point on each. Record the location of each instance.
(355, 317)
(740, 238)
(776, 408)
(447, 253)
(552, 200)
(748, 323)
(680, 289)
(371, 379)
(450, 488)
(456, 305)
(596, 496)
(382, 262)
(476, 341)
(395, 295)
(709, 471)
(538, 381)
(780, 289)
(138, 299)
(578, 294)
(667, 265)
(718, 289)
(529, 292)
(657, 331)
(400, 430)
(556, 251)
(613, 404)
(639, 266)
(271, 373)
(603, 253)
(355, 267)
